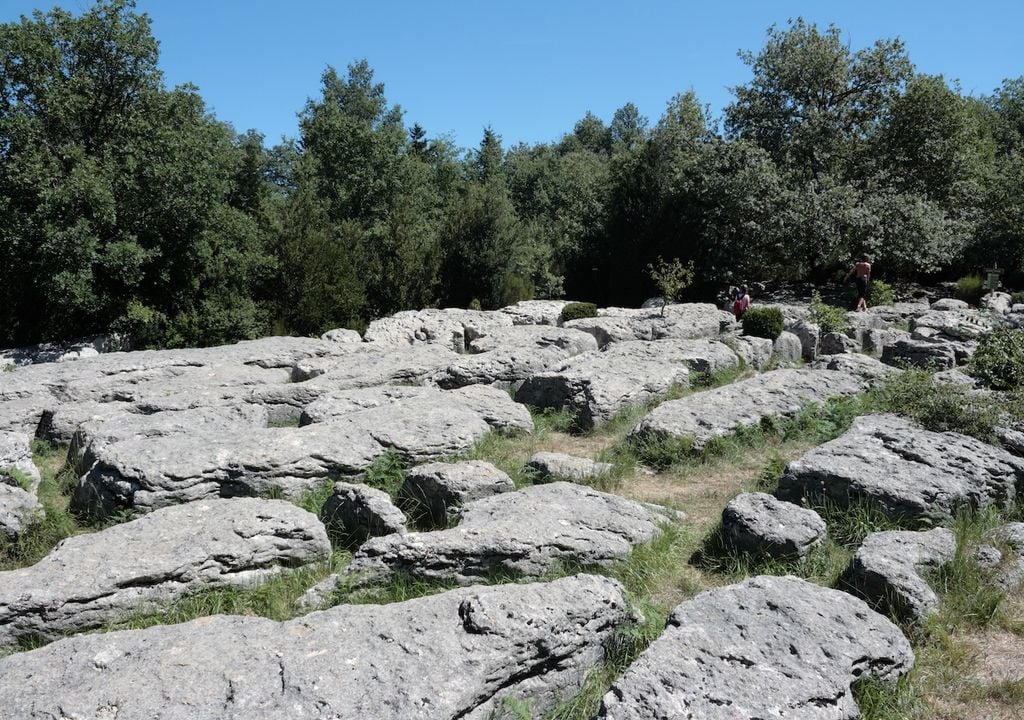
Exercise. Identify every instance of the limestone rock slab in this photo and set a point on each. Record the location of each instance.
(143, 565)
(436, 492)
(452, 656)
(354, 513)
(769, 647)
(759, 523)
(906, 470)
(549, 466)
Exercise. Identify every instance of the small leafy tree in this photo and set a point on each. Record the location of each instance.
(671, 278)
(999, 360)
(828, 317)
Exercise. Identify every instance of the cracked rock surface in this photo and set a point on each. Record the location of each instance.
(526, 533)
(768, 647)
(445, 657)
(560, 466)
(436, 492)
(888, 570)
(354, 513)
(702, 416)
(759, 523)
(906, 470)
(91, 580)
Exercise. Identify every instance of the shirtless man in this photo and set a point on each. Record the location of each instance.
(861, 272)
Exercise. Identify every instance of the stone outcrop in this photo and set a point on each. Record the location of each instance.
(905, 470)
(870, 369)
(355, 513)
(536, 312)
(16, 456)
(596, 385)
(436, 492)
(453, 656)
(526, 533)
(754, 351)
(19, 509)
(788, 349)
(954, 324)
(757, 523)
(703, 416)
(929, 354)
(142, 566)
(683, 322)
(769, 647)
(549, 466)
(888, 570)
(452, 328)
(342, 335)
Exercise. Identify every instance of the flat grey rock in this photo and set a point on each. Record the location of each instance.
(768, 647)
(755, 352)
(837, 343)
(143, 566)
(996, 302)
(889, 567)
(16, 454)
(536, 312)
(929, 354)
(870, 369)
(596, 385)
(19, 509)
(788, 349)
(548, 466)
(954, 324)
(453, 656)
(760, 524)
(507, 356)
(342, 335)
(950, 304)
(702, 416)
(905, 470)
(355, 513)
(436, 492)
(875, 341)
(683, 322)
(452, 328)
(526, 533)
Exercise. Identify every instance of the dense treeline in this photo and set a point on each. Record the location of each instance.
(126, 206)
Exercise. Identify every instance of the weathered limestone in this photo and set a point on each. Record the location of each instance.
(754, 351)
(906, 470)
(809, 334)
(868, 368)
(526, 533)
(508, 356)
(758, 523)
(876, 340)
(355, 513)
(833, 343)
(436, 492)
(931, 354)
(769, 647)
(996, 302)
(954, 324)
(1003, 556)
(142, 566)
(452, 328)
(684, 321)
(19, 509)
(949, 304)
(16, 455)
(342, 335)
(888, 567)
(596, 385)
(788, 349)
(452, 656)
(702, 416)
(549, 466)
(536, 312)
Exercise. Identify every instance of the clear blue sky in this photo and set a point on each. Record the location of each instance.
(531, 69)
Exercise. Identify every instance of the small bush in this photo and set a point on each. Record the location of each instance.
(1017, 298)
(829, 318)
(474, 304)
(881, 293)
(970, 288)
(763, 322)
(516, 288)
(575, 311)
(999, 360)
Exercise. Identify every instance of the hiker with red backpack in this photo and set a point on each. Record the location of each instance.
(741, 301)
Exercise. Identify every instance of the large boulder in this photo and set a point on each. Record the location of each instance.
(342, 335)
(452, 656)
(91, 580)
(996, 302)
(834, 343)
(548, 466)
(355, 513)
(788, 349)
(19, 509)
(950, 304)
(755, 352)
(769, 647)
(16, 460)
(526, 533)
(596, 385)
(508, 356)
(452, 328)
(889, 567)
(758, 523)
(536, 312)
(683, 322)
(809, 334)
(436, 492)
(954, 324)
(868, 368)
(703, 416)
(905, 470)
(930, 354)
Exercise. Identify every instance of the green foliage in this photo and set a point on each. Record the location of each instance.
(577, 310)
(671, 278)
(386, 472)
(970, 288)
(20, 477)
(828, 317)
(1017, 298)
(763, 322)
(998, 362)
(881, 293)
(474, 304)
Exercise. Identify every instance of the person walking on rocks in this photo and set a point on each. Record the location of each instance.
(741, 301)
(861, 272)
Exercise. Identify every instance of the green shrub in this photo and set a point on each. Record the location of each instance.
(1017, 298)
(575, 311)
(516, 288)
(881, 293)
(828, 317)
(970, 288)
(763, 322)
(474, 304)
(999, 360)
